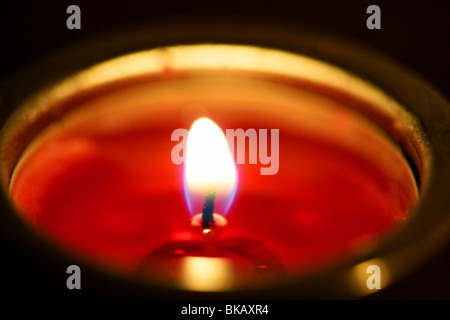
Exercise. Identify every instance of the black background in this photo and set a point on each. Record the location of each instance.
(415, 33)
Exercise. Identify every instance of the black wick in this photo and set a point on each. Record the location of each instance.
(208, 209)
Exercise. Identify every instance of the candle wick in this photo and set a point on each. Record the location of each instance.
(208, 209)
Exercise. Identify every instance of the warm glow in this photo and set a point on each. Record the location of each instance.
(362, 276)
(207, 231)
(209, 166)
(206, 274)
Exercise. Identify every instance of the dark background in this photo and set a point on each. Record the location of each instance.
(415, 33)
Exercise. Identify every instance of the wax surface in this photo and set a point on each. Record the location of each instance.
(114, 196)
(115, 199)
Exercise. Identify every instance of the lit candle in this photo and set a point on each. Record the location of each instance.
(130, 213)
(100, 184)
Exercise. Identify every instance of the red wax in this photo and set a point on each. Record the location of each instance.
(113, 197)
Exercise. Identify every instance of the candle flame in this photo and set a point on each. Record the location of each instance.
(209, 167)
